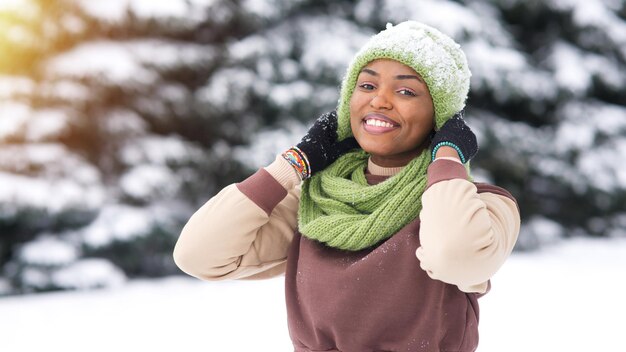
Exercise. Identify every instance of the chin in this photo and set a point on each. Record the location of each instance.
(375, 149)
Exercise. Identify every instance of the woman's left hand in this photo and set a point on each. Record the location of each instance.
(456, 135)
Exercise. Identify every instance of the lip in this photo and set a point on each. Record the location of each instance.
(377, 130)
(379, 116)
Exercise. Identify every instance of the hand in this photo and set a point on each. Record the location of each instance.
(456, 134)
(320, 146)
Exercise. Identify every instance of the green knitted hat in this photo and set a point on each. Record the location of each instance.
(433, 55)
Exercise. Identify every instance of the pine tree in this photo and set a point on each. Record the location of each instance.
(107, 147)
(118, 119)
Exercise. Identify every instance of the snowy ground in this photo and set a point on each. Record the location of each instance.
(568, 297)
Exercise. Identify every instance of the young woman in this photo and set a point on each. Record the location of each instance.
(385, 242)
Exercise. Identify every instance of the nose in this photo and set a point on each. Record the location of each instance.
(381, 101)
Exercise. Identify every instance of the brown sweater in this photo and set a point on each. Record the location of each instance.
(416, 291)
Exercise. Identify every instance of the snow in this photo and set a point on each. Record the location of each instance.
(66, 90)
(569, 69)
(329, 50)
(585, 125)
(123, 62)
(53, 195)
(10, 85)
(35, 277)
(229, 88)
(117, 222)
(89, 273)
(46, 124)
(49, 261)
(595, 13)
(575, 69)
(254, 45)
(5, 286)
(48, 176)
(268, 143)
(288, 94)
(261, 8)
(601, 15)
(124, 122)
(505, 71)
(110, 60)
(12, 118)
(619, 226)
(449, 17)
(146, 182)
(160, 150)
(48, 251)
(595, 116)
(603, 166)
(116, 10)
(565, 297)
(539, 231)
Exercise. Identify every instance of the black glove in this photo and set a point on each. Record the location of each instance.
(320, 145)
(456, 134)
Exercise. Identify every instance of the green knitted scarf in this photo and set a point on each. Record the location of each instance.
(339, 208)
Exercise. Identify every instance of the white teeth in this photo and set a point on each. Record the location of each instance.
(378, 123)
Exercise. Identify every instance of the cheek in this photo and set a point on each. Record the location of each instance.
(422, 122)
(354, 125)
(421, 114)
(356, 102)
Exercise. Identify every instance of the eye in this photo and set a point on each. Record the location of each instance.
(366, 86)
(407, 92)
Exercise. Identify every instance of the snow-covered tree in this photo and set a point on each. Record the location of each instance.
(105, 146)
(119, 118)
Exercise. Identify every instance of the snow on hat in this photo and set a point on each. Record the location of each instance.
(437, 58)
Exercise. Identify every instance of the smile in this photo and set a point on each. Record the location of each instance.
(378, 123)
(374, 122)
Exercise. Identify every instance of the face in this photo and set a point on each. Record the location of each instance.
(391, 112)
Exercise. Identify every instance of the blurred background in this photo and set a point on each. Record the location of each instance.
(119, 118)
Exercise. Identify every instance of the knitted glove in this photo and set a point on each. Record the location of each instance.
(456, 134)
(319, 147)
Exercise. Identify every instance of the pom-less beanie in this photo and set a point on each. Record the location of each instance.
(337, 205)
(437, 58)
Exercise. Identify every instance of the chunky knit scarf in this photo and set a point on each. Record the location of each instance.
(339, 208)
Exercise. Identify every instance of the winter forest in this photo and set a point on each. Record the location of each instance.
(119, 118)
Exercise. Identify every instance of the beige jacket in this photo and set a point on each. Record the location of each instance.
(231, 237)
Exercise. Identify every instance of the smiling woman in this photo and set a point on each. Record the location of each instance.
(385, 242)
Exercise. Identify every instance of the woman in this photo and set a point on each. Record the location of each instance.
(385, 242)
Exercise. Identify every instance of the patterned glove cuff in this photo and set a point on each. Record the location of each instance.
(448, 144)
(298, 161)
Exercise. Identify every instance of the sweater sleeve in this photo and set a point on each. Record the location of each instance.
(245, 230)
(465, 235)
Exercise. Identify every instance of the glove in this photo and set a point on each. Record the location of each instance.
(456, 134)
(319, 147)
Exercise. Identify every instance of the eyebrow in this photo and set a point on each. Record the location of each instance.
(374, 73)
